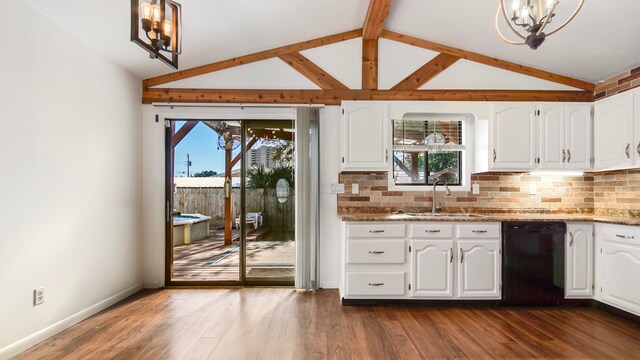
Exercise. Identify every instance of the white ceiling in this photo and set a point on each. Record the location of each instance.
(602, 41)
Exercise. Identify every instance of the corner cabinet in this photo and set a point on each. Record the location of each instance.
(614, 130)
(365, 136)
(618, 266)
(579, 261)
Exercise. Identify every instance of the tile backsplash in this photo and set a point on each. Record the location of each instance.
(627, 80)
(612, 193)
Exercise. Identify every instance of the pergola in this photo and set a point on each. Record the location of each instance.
(231, 130)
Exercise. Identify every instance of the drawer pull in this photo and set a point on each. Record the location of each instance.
(376, 284)
(432, 231)
(479, 231)
(626, 236)
(376, 231)
(376, 252)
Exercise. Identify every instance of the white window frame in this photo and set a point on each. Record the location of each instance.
(467, 157)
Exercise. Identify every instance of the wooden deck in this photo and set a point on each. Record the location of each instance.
(210, 260)
(269, 323)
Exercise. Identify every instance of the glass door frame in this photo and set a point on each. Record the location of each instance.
(169, 174)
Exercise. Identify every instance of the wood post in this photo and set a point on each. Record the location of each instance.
(228, 215)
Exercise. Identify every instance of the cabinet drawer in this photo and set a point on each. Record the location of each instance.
(431, 231)
(479, 230)
(626, 234)
(375, 230)
(375, 252)
(377, 283)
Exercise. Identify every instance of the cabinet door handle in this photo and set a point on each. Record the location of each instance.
(376, 231)
(638, 148)
(451, 258)
(494, 155)
(461, 256)
(479, 231)
(386, 155)
(432, 231)
(376, 252)
(627, 151)
(376, 284)
(568, 155)
(564, 155)
(571, 239)
(626, 236)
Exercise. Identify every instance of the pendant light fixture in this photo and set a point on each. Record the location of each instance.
(532, 16)
(161, 23)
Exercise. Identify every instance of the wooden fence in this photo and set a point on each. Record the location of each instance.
(210, 202)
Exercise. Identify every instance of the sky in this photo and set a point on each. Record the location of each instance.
(202, 146)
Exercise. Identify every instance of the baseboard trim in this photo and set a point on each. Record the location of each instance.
(41, 335)
(616, 311)
(329, 285)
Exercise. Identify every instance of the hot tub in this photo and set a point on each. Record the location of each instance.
(189, 227)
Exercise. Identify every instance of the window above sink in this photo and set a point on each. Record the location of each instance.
(427, 147)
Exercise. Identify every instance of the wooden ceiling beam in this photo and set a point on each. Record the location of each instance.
(370, 64)
(182, 132)
(334, 97)
(377, 14)
(247, 59)
(502, 64)
(426, 72)
(312, 71)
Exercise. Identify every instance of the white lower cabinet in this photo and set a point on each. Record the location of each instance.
(479, 265)
(434, 260)
(579, 261)
(432, 268)
(618, 266)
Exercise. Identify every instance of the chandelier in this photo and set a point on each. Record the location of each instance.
(161, 23)
(532, 16)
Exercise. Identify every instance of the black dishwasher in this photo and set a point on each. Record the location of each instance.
(533, 263)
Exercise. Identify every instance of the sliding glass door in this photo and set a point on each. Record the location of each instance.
(230, 191)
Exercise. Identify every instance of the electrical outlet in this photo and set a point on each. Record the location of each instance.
(476, 189)
(38, 296)
(337, 188)
(355, 188)
(533, 189)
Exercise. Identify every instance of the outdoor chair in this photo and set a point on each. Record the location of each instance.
(254, 218)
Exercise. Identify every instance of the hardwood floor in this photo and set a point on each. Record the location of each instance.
(269, 323)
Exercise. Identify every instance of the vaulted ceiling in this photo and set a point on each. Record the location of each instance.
(602, 41)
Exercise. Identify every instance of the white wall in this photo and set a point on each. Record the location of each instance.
(70, 179)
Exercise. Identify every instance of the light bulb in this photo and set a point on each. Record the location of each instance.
(550, 3)
(515, 5)
(167, 26)
(145, 11)
(524, 13)
(157, 13)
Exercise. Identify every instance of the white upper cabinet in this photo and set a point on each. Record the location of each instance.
(552, 150)
(365, 136)
(614, 132)
(513, 137)
(479, 266)
(541, 136)
(579, 261)
(578, 136)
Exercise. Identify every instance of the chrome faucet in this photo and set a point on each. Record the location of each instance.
(435, 207)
